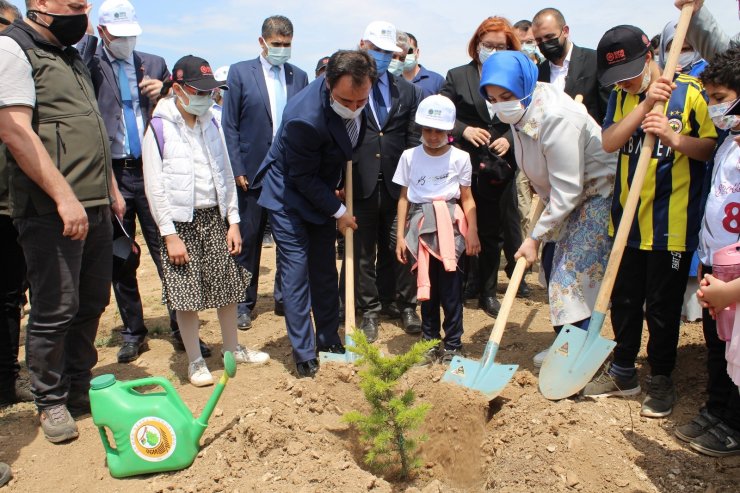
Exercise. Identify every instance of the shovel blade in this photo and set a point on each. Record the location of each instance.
(489, 380)
(573, 360)
(348, 357)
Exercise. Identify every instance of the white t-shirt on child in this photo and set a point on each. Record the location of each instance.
(430, 178)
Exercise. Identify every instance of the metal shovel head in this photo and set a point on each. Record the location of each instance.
(488, 379)
(347, 357)
(573, 359)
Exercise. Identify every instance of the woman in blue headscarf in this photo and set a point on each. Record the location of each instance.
(558, 146)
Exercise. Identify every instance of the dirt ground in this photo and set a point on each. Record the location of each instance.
(272, 432)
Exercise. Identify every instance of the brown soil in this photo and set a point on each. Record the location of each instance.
(273, 432)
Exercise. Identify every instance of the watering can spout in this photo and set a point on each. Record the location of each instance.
(229, 371)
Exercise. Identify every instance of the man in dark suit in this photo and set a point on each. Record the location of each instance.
(567, 66)
(127, 83)
(253, 108)
(387, 284)
(298, 180)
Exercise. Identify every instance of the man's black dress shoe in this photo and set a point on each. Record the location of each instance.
(411, 321)
(334, 348)
(130, 351)
(370, 328)
(490, 305)
(205, 350)
(279, 309)
(307, 368)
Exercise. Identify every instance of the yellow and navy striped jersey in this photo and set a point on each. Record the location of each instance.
(670, 207)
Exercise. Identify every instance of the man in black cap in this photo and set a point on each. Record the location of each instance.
(663, 235)
(321, 65)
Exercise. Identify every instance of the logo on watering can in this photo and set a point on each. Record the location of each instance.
(153, 439)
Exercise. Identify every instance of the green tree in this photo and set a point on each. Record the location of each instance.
(388, 430)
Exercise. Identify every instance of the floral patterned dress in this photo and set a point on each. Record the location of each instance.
(558, 146)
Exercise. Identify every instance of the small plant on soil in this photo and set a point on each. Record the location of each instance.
(389, 429)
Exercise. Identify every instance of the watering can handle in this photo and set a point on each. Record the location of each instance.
(142, 382)
(516, 278)
(638, 179)
(106, 443)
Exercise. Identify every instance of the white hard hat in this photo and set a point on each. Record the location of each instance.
(436, 112)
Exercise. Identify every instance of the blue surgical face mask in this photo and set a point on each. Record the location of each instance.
(395, 67)
(410, 63)
(382, 60)
(277, 55)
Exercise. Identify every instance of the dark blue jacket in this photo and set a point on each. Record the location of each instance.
(247, 119)
(305, 164)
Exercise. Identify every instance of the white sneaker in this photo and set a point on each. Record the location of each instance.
(539, 358)
(198, 373)
(245, 355)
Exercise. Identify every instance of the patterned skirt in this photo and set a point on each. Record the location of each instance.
(579, 261)
(212, 278)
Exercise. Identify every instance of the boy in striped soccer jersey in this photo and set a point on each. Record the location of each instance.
(664, 234)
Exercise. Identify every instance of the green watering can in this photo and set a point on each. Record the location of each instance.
(153, 431)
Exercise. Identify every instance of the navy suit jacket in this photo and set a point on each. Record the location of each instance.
(305, 164)
(381, 148)
(247, 119)
(105, 81)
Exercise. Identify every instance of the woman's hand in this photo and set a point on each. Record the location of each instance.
(234, 239)
(476, 136)
(529, 250)
(500, 146)
(176, 250)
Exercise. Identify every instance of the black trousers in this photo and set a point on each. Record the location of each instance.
(70, 281)
(658, 280)
(252, 224)
(126, 288)
(11, 293)
(723, 396)
(511, 225)
(446, 292)
(379, 276)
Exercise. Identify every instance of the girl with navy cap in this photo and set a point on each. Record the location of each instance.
(558, 147)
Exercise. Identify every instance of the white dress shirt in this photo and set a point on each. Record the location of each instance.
(559, 74)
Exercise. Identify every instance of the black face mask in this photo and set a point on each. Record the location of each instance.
(552, 49)
(68, 29)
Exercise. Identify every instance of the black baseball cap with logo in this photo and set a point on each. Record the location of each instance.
(196, 73)
(621, 53)
(322, 63)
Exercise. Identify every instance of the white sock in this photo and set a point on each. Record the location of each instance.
(189, 329)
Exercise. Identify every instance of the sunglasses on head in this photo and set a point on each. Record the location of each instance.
(4, 21)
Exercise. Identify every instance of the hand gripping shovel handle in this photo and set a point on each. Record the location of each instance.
(349, 259)
(516, 278)
(630, 207)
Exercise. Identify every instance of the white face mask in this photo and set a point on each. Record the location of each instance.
(722, 121)
(198, 106)
(509, 111)
(395, 67)
(345, 112)
(441, 144)
(122, 48)
(645, 79)
(484, 53)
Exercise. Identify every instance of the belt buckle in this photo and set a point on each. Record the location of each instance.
(130, 163)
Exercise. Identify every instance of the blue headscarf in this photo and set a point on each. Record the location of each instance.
(512, 70)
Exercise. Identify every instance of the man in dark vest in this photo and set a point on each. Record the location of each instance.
(61, 191)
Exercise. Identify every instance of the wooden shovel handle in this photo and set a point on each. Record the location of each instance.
(630, 206)
(516, 278)
(349, 257)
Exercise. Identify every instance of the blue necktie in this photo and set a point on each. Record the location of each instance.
(129, 115)
(279, 96)
(381, 111)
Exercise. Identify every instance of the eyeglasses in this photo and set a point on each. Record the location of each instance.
(489, 46)
(195, 92)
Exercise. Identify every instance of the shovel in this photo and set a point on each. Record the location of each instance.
(576, 355)
(486, 376)
(349, 282)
